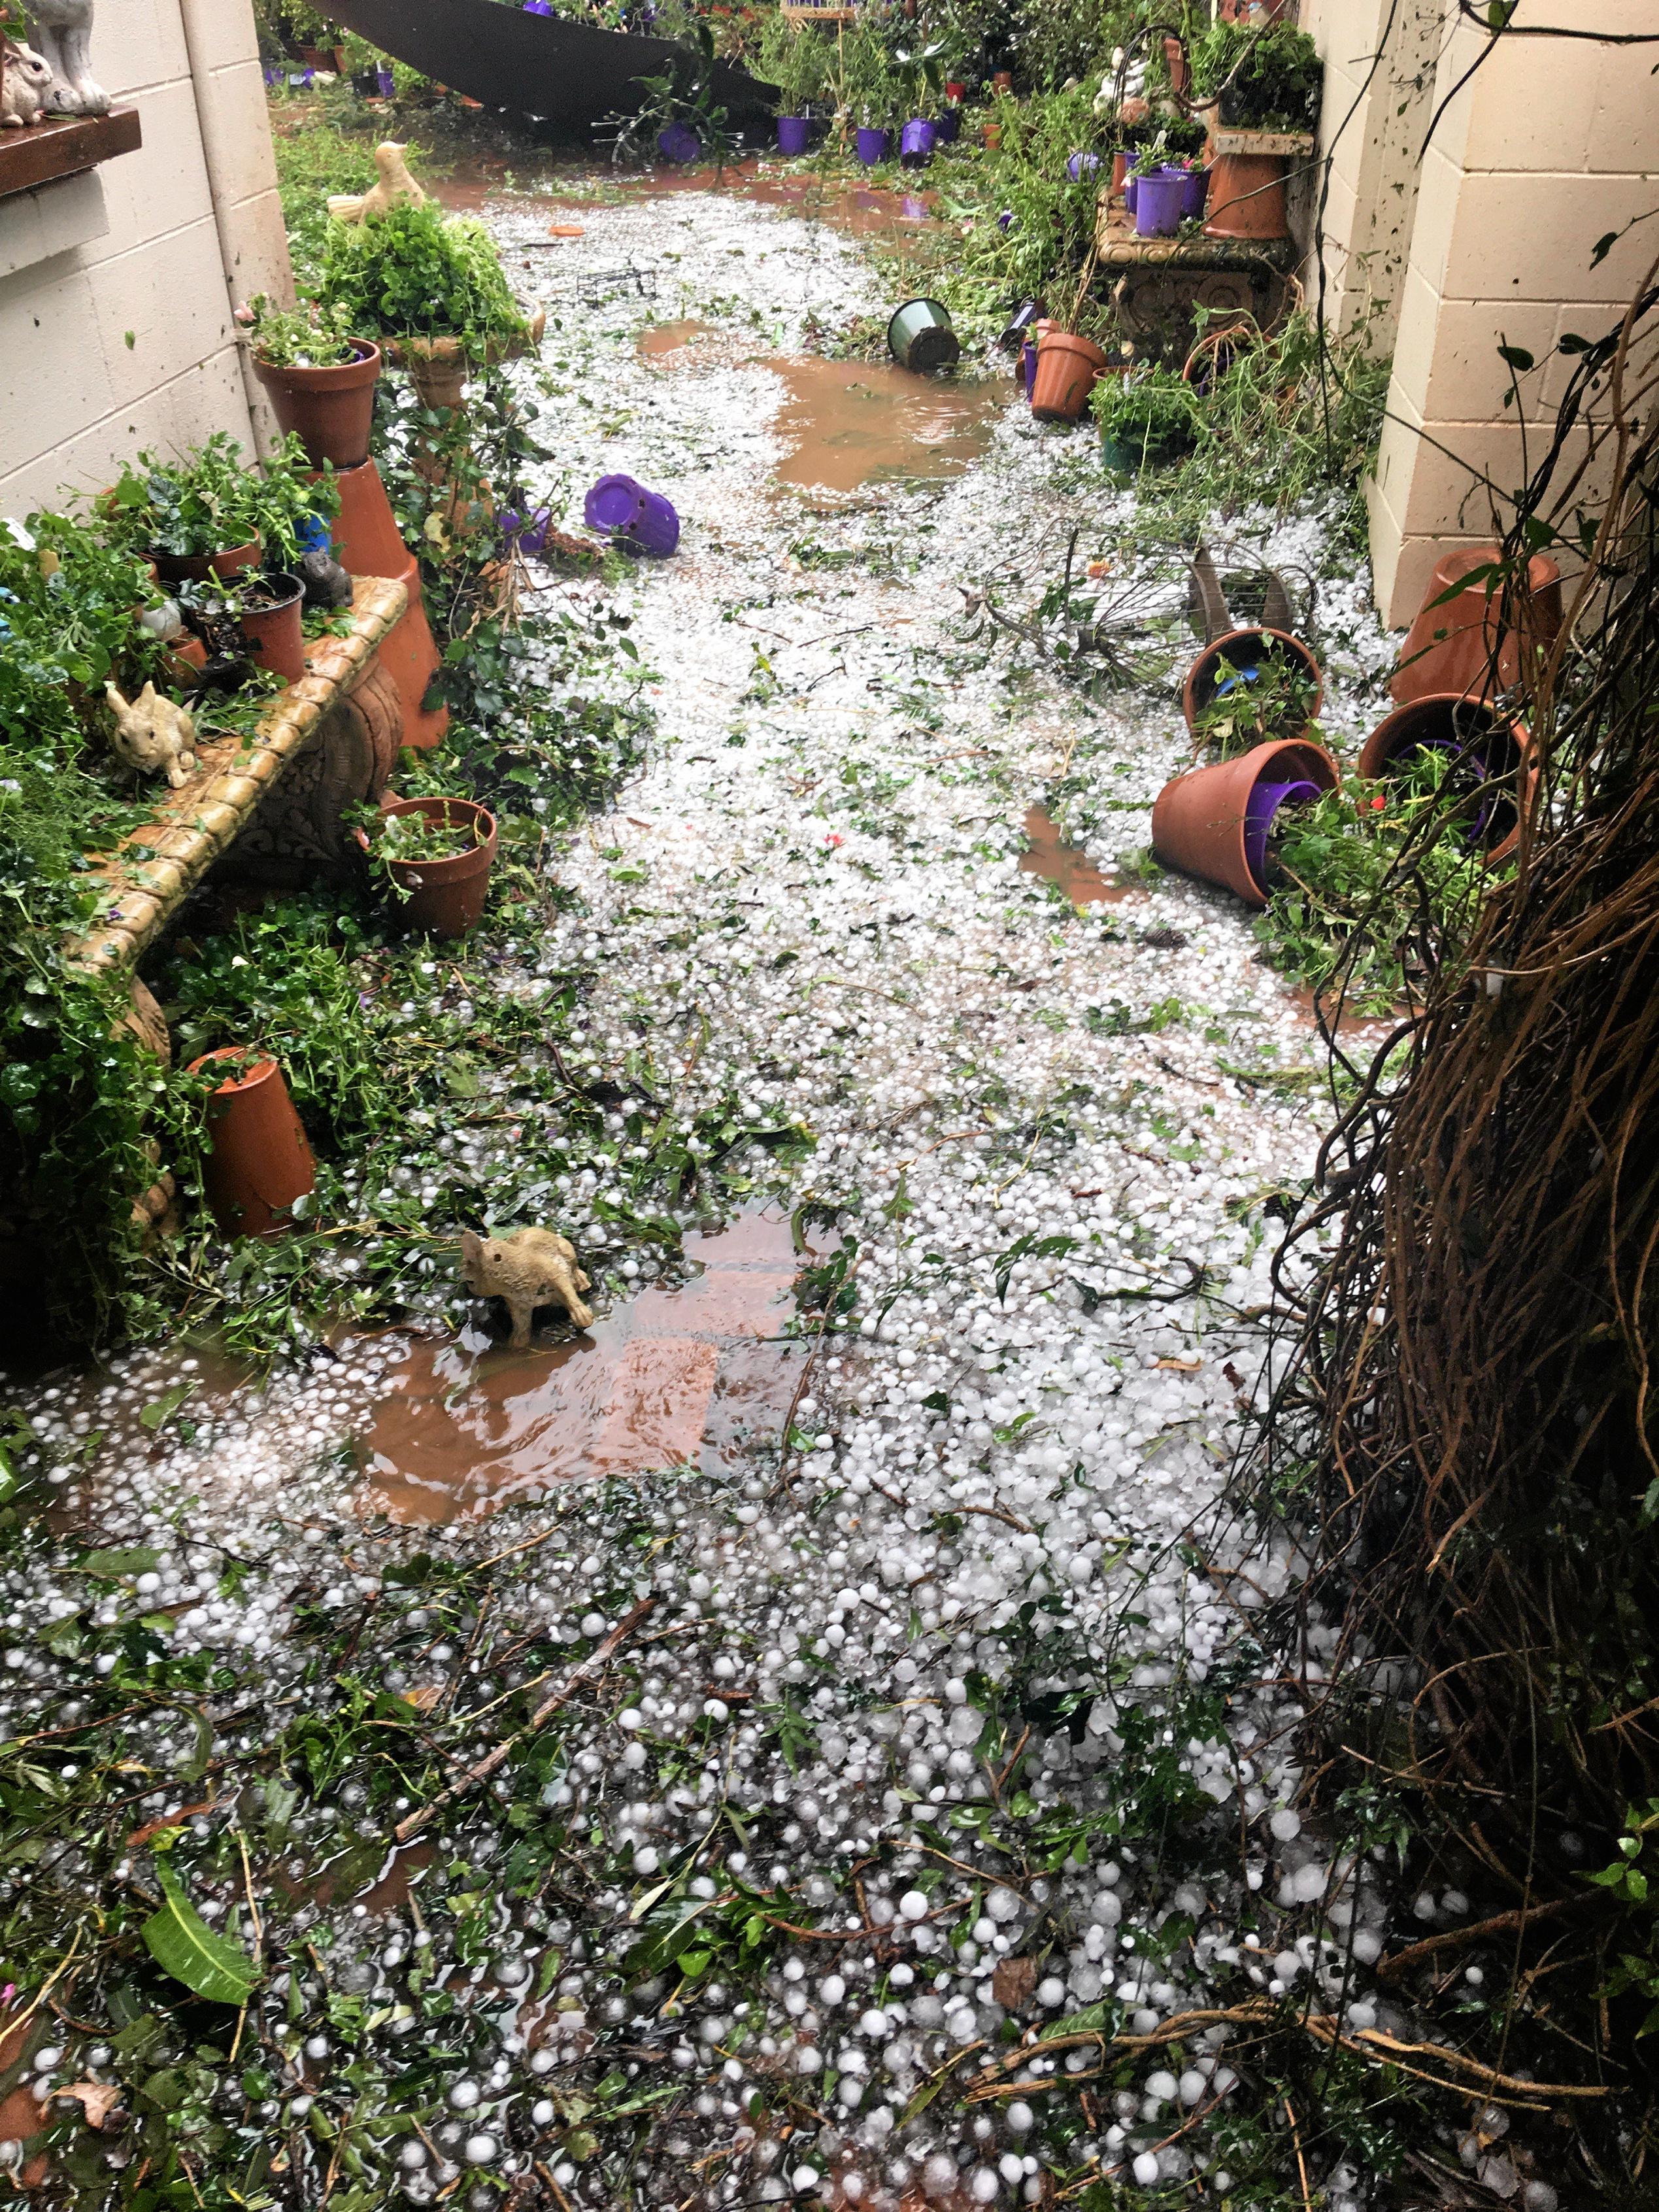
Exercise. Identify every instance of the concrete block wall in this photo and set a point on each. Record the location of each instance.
(126, 339)
(1553, 143)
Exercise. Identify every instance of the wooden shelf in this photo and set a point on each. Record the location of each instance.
(34, 156)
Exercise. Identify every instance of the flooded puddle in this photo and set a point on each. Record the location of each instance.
(661, 341)
(1047, 854)
(857, 210)
(848, 423)
(674, 1377)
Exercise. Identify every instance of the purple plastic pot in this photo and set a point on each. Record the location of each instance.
(679, 144)
(792, 131)
(1260, 809)
(1195, 190)
(529, 532)
(1158, 203)
(916, 142)
(873, 145)
(626, 510)
(1081, 165)
(538, 7)
(1029, 365)
(949, 126)
(1132, 184)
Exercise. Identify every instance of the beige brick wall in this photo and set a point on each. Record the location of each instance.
(127, 340)
(1553, 143)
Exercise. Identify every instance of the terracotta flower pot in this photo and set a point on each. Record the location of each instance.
(1180, 69)
(1067, 367)
(1494, 753)
(1463, 644)
(1214, 822)
(445, 897)
(329, 409)
(1242, 649)
(366, 542)
(1247, 196)
(275, 638)
(438, 367)
(990, 137)
(260, 1162)
(192, 568)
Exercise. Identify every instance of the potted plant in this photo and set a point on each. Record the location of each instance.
(1474, 748)
(1252, 686)
(1264, 81)
(923, 74)
(208, 512)
(1222, 821)
(795, 58)
(321, 380)
(436, 855)
(1146, 417)
(270, 608)
(431, 287)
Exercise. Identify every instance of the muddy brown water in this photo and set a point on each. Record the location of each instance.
(1047, 854)
(690, 1377)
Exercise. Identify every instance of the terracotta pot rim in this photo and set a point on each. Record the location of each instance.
(1192, 706)
(192, 568)
(451, 866)
(1224, 837)
(260, 1068)
(363, 368)
(1377, 759)
(271, 578)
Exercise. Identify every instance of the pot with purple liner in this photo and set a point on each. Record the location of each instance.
(1218, 821)
(793, 131)
(872, 144)
(1491, 757)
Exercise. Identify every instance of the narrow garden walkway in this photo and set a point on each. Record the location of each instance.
(919, 1728)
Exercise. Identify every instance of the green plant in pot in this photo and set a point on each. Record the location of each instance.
(1146, 417)
(209, 512)
(798, 59)
(319, 376)
(1276, 697)
(435, 855)
(431, 285)
(1266, 78)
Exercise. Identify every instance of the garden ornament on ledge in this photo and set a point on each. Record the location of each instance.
(25, 84)
(394, 183)
(62, 29)
(153, 732)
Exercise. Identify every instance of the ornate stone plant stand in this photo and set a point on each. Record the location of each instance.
(1157, 283)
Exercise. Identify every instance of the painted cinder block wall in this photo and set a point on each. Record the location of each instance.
(1553, 143)
(160, 243)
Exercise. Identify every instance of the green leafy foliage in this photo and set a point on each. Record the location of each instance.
(416, 272)
(299, 338)
(208, 500)
(1267, 77)
(1148, 415)
(1274, 696)
(183, 1945)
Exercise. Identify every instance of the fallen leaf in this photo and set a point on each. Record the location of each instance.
(423, 1697)
(565, 229)
(96, 2098)
(1012, 1983)
(1099, 568)
(1233, 1375)
(140, 1836)
(1181, 1366)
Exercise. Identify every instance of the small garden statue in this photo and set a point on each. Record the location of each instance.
(25, 85)
(394, 183)
(529, 1268)
(154, 732)
(62, 31)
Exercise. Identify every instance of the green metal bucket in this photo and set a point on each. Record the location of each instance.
(920, 337)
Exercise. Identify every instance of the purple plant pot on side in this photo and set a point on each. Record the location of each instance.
(873, 145)
(792, 130)
(1260, 812)
(625, 510)
(1158, 204)
(916, 142)
(1081, 165)
(679, 144)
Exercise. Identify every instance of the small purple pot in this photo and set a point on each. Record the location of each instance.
(1081, 165)
(792, 132)
(916, 142)
(1195, 192)
(1028, 371)
(625, 510)
(873, 145)
(529, 532)
(1158, 204)
(538, 7)
(1260, 809)
(679, 144)
(1130, 185)
(949, 126)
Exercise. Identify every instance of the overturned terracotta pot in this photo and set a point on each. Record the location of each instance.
(1215, 822)
(260, 1163)
(1491, 753)
(1244, 649)
(1474, 642)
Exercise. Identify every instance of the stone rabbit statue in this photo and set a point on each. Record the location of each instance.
(62, 31)
(531, 1267)
(153, 732)
(25, 84)
(394, 183)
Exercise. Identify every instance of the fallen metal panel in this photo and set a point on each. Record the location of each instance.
(572, 74)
